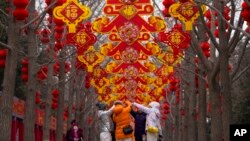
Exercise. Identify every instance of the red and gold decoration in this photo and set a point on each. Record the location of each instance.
(72, 12)
(90, 58)
(187, 12)
(83, 38)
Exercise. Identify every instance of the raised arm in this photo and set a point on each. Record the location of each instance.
(142, 108)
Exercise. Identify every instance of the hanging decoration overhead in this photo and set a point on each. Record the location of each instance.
(187, 12)
(129, 24)
(72, 12)
(90, 58)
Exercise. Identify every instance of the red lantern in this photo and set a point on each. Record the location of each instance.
(25, 77)
(58, 22)
(20, 4)
(67, 67)
(60, 2)
(20, 14)
(2, 63)
(3, 53)
(55, 92)
(208, 14)
(58, 36)
(59, 29)
(24, 69)
(216, 33)
(56, 68)
(45, 40)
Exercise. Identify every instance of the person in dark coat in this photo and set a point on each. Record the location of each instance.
(74, 133)
(140, 121)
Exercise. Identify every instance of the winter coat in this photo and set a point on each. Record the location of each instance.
(105, 121)
(140, 122)
(70, 134)
(153, 115)
(122, 118)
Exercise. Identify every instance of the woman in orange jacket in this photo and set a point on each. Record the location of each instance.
(122, 118)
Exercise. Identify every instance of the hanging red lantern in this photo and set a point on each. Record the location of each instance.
(20, 14)
(38, 99)
(25, 77)
(60, 2)
(58, 36)
(208, 14)
(20, 4)
(2, 63)
(67, 67)
(45, 40)
(58, 22)
(3, 53)
(59, 29)
(54, 106)
(216, 33)
(168, 3)
(25, 63)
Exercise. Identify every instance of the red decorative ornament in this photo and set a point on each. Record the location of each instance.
(24, 70)
(3, 53)
(20, 13)
(58, 22)
(20, 4)
(55, 93)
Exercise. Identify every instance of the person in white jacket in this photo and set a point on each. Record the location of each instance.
(105, 122)
(153, 126)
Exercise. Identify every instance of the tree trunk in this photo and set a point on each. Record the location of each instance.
(216, 118)
(71, 95)
(186, 109)
(48, 97)
(226, 95)
(6, 100)
(60, 110)
(192, 100)
(202, 125)
(29, 119)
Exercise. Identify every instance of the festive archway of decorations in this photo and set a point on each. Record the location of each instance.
(130, 73)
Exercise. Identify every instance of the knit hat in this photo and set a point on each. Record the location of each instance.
(101, 105)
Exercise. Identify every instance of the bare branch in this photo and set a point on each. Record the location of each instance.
(5, 14)
(2, 25)
(211, 35)
(191, 72)
(41, 15)
(3, 45)
(195, 46)
(240, 59)
(239, 75)
(222, 17)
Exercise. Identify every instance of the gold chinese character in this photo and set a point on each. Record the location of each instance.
(71, 12)
(81, 38)
(176, 38)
